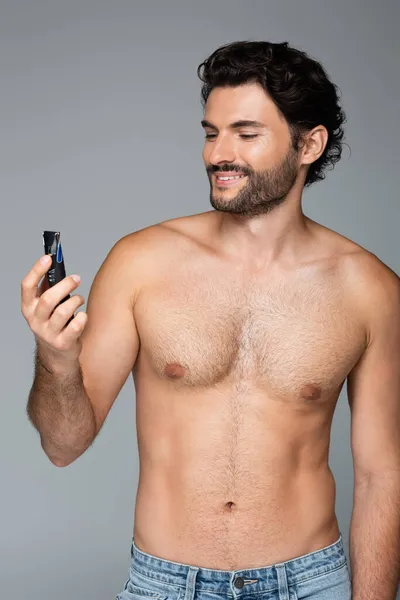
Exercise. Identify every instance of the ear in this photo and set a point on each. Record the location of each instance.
(314, 143)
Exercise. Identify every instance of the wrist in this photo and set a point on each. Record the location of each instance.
(56, 363)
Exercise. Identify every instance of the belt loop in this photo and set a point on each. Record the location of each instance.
(190, 583)
(283, 588)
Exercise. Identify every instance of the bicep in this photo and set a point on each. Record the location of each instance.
(373, 389)
(110, 341)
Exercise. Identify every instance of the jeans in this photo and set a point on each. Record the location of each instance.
(319, 575)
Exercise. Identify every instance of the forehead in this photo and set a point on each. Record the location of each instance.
(249, 102)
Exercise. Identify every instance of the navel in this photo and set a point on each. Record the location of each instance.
(310, 392)
(229, 507)
(174, 371)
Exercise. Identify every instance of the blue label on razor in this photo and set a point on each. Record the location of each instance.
(59, 253)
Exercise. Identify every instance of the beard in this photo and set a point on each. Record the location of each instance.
(263, 191)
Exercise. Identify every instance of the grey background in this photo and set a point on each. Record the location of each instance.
(100, 135)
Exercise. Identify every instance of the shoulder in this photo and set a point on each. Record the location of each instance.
(170, 235)
(369, 276)
(361, 270)
(374, 288)
(148, 253)
(370, 288)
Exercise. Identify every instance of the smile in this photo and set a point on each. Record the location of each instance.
(228, 180)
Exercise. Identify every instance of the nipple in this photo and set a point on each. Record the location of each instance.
(310, 392)
(174, 371)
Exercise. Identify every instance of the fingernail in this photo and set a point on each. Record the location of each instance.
(44, 259)
(76, 278)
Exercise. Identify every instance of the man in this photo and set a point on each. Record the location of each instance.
(240, 326)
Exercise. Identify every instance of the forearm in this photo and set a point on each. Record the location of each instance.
(375, 539)
(60, 409)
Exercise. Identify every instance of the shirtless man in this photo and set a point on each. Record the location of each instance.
(240, 326)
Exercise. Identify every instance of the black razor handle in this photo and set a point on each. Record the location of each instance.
(56, 273)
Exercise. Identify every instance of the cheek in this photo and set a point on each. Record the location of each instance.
(257, 156)
(261, 154)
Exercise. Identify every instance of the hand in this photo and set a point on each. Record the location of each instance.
(48, 321)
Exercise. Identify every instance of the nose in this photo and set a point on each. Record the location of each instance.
(222, 151)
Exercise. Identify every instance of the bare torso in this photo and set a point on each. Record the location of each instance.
(237, 378)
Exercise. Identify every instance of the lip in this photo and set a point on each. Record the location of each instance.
(231, 182)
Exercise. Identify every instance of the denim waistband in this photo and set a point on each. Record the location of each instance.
(255, 580)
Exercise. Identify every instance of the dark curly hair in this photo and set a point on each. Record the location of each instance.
(298, 85)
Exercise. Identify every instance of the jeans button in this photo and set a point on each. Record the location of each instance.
(239, 582)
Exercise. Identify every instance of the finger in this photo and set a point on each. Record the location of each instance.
(43, 286)
(65, 311)
(73, 330)
(30, 282)
(53, 296)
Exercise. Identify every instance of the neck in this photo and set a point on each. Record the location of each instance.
(259, 240)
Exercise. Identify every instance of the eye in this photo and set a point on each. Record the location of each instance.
(245, 136)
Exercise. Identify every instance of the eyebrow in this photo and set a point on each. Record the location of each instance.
(236, 124)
